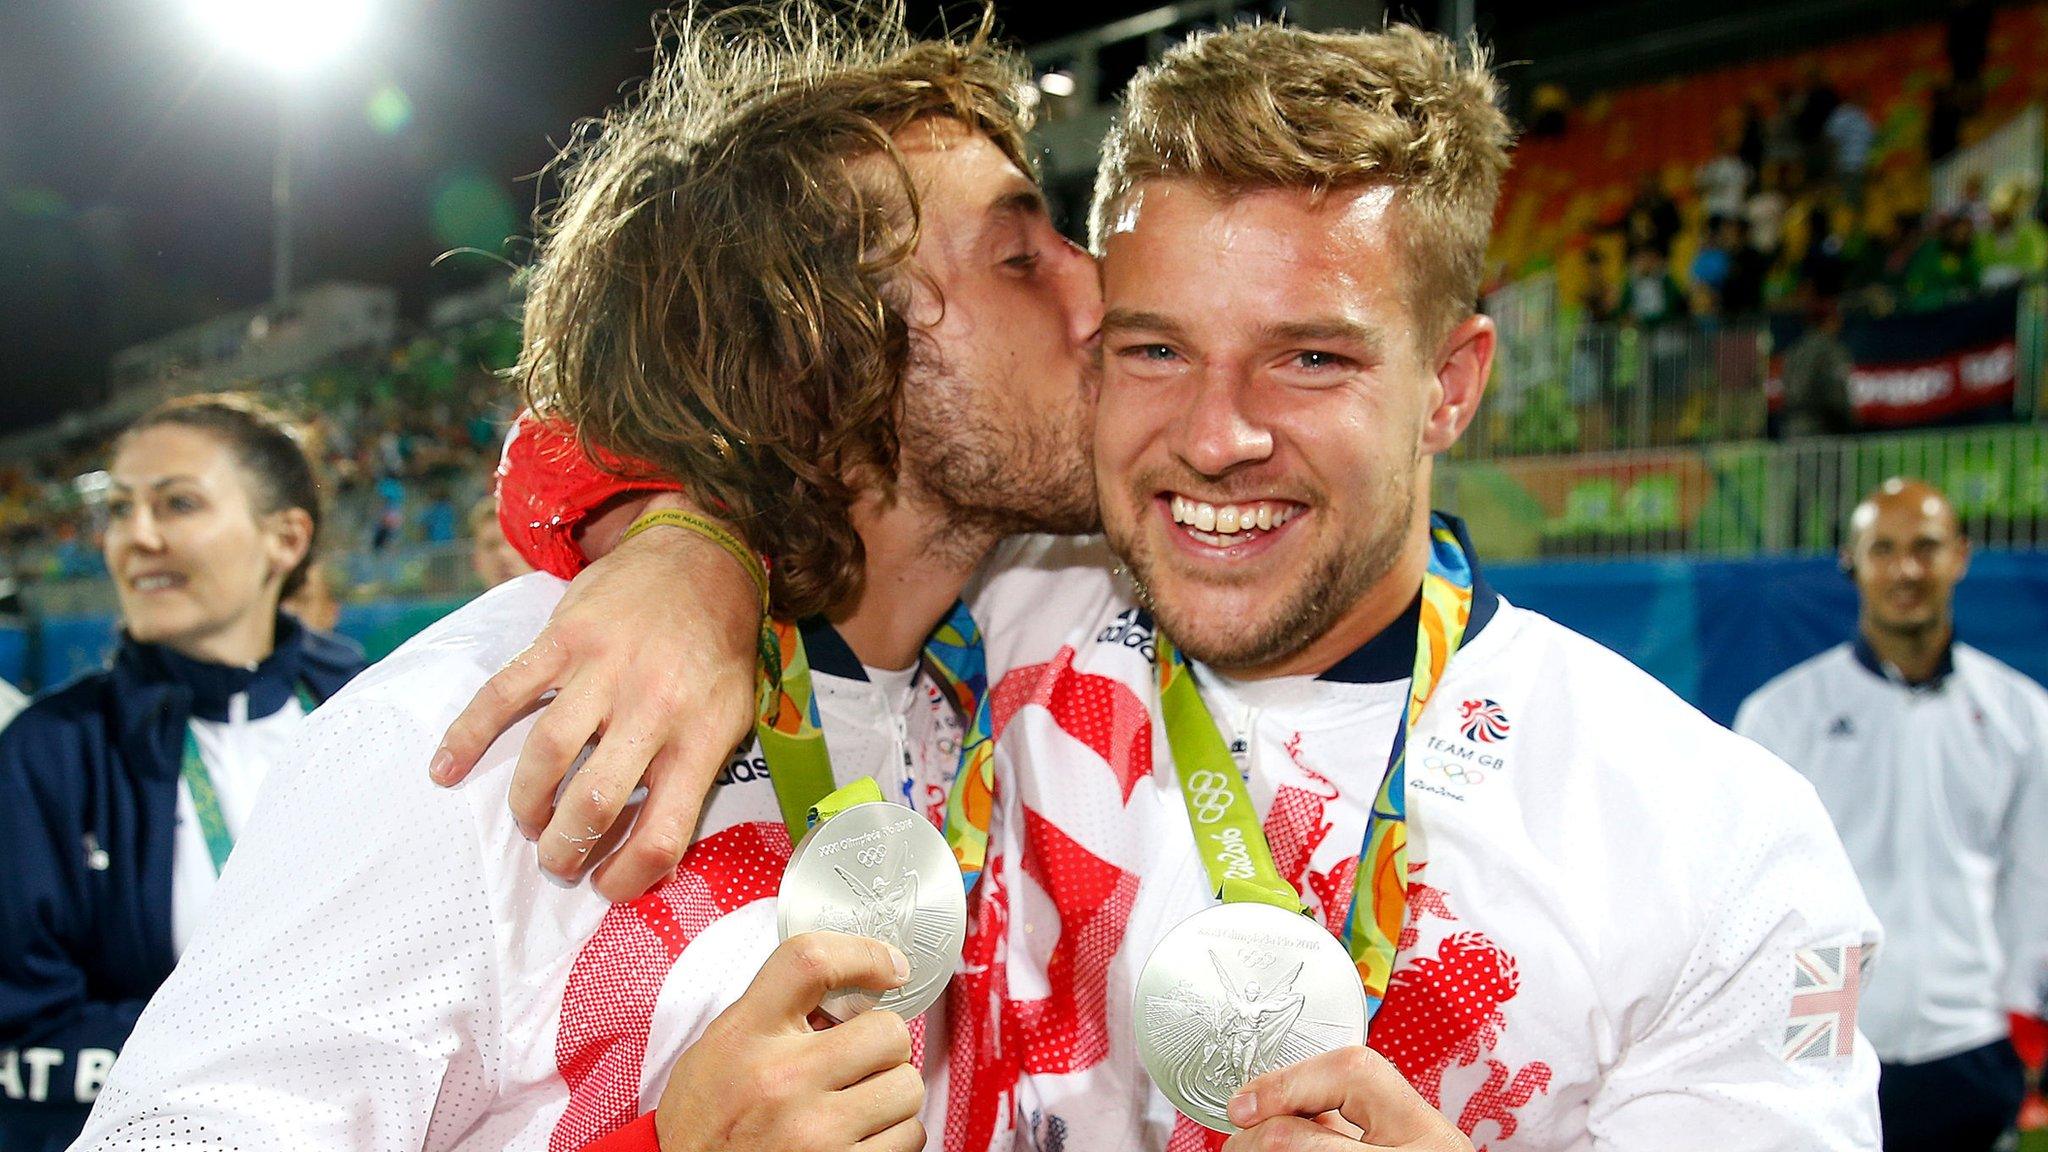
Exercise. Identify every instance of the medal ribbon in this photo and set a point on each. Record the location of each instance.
(213, 823)
(792, 739)
(1227, 829)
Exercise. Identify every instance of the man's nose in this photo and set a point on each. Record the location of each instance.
(1215, 433)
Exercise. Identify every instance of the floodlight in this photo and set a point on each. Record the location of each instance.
(285, 35)
(1057, 83)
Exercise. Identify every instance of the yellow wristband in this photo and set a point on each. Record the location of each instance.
(710, 530)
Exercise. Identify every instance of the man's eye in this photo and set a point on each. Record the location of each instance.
(119, 509)
(1024, 262)
(1155, 353)
(181, 504)
(1317, 361)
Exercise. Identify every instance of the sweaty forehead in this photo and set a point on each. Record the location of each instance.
(1177, 245)
(1338, 234)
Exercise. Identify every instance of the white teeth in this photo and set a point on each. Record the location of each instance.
(1228, 519)
(154, 583)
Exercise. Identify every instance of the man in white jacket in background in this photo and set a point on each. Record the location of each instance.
(1932, 759)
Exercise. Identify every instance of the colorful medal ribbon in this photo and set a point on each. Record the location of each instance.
(1227, 830)
(213, 823)
(1226, 824)
(792, 740)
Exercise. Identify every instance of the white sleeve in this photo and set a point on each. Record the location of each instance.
(1731, 1062)
(343, 981)
(2022, 903)
(1755, 720)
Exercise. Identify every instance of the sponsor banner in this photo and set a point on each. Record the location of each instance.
(1951, 365)
(1905, 394)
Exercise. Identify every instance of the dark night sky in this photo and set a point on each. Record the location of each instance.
(135, 157)
(135, 160)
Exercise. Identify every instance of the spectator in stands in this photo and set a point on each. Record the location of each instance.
(1765, 209)
(1974, 203)
(1824, 268)
(122, 791)
(492, 556)
(1653, 221)
(438, 518)
(1723, 181)
(1549, 112)
(1652, 297)
(1816, 379)
(2015, 246)
(1815, 103)
(1944, 266)
(1742, 293)
(1712, 264)
(1850, 137)
(1781, 130)
(390, 512)
(1932, 759)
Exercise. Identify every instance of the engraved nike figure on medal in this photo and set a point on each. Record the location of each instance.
(1237, 990)
(882, 871)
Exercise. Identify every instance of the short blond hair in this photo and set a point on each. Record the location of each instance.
(1266, 106)
(719, 292)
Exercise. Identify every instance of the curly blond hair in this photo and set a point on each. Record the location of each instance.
(719, 292)
(1266, 106)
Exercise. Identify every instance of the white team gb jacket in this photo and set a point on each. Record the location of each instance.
(1628, 928)
(1941, 796)
(385, 967)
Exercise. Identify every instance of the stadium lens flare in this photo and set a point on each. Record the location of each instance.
(285, 35)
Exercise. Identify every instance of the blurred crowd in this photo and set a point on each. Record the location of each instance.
(1786, 226)
(1791, 182)
(405, 442)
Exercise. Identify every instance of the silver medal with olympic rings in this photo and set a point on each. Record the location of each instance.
(882, 871)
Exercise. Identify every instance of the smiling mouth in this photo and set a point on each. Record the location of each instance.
(157, 582)
(1227, 525)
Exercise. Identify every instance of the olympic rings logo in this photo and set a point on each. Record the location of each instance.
(1209, 796)
(1455, 771)
(873, 856)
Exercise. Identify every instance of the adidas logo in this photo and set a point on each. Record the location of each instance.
(1842, 727)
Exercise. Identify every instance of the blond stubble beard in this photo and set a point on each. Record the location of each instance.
(1336, 582)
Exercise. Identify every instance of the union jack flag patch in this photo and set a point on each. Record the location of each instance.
(1825, 984)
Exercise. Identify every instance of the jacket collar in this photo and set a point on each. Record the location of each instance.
(1390, 656)
(1875, 665)
(156, 691)
(828, 651)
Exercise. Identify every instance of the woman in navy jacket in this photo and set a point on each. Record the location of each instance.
(121, 792)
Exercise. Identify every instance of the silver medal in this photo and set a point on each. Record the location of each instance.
(1237, 990)
(882, 871)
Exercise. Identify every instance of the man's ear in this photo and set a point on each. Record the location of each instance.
(1463, 362)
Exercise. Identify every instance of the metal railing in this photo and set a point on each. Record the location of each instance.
(1574, 388)
(1749, 499)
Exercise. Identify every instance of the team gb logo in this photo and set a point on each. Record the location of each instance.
(1483, 722)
